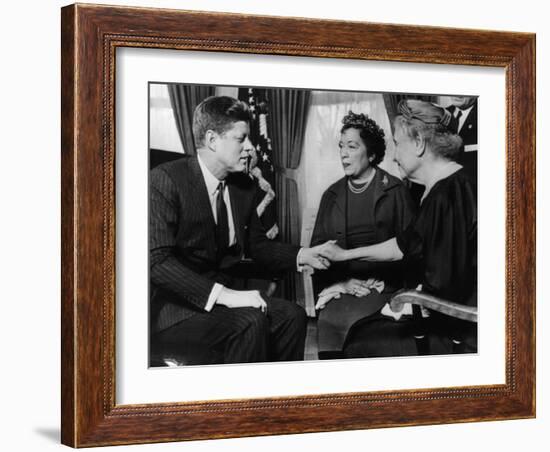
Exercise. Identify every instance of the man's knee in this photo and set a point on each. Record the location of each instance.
(292, 314)
(254, 322)
(299, 316)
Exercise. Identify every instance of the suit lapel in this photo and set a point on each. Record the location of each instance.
(201, 203)
(471, 120)
(379, 185)
(339, 218)
(339, 191)
(382, 183)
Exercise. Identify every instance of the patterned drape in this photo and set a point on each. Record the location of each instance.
(184, 100)
(261, 163)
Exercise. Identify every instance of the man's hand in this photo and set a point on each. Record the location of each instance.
(241, 299)
(313, 257)
(333, 252)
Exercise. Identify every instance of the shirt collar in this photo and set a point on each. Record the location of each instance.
(464, 112)
(211, 181)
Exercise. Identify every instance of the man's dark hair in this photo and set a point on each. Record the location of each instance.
(217, 113)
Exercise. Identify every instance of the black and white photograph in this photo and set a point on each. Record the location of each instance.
(299, 225)
(251, 226)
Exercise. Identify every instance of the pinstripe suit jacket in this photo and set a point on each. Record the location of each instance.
(182, 245)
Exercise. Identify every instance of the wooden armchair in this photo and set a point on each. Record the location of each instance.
(424, 345)
(434, 303)
(452, 310)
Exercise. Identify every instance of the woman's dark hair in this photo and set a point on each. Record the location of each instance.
(371, 134)
(217, 113)
(431, 121)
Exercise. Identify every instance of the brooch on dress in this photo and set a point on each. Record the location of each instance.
(385, 181)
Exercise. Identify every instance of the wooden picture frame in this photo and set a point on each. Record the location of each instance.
(90, 36)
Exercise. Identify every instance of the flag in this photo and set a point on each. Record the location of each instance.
(261, 163)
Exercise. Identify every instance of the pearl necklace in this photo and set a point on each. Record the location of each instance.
(361, 189)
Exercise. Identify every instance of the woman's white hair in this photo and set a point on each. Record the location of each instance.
(430, 121)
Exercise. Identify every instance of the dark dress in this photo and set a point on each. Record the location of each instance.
(354, 220)
(440, 252)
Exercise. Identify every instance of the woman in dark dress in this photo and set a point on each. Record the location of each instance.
(439, 248)
(366, 206)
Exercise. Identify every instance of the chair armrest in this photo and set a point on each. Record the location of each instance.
(434, 303)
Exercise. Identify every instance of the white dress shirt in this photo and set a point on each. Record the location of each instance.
(212, 184)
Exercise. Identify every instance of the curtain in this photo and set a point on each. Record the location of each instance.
(289, 110)
(184, 100)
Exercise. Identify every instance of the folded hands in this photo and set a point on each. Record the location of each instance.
(353, 286)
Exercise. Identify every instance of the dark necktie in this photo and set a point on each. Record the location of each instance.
(455, 121)
(222, 228)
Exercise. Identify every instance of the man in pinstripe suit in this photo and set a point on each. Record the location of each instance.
(201, 220)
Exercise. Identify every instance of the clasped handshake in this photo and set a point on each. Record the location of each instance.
(310, 259)
(319, 257)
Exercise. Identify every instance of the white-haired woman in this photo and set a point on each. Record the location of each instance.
(439, 248)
